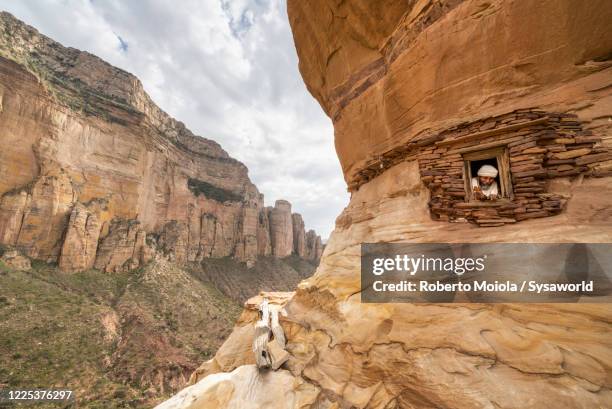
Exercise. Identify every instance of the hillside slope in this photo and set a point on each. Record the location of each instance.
(118, 340)
(145, 238)
(124, 339)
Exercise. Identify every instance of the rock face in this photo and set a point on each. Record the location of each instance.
(281, 228)
(400, 80)
(123, 247)
(81, 242)
(138, 335)
(314, 247)
(33, 217)
(13, 259)
(299, 235)
(264, 246)
(389, 75)
(92, 170)
(226, 390)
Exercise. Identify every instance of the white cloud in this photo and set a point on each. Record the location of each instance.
(228, 70)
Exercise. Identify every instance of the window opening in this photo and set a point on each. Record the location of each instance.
(496, 158)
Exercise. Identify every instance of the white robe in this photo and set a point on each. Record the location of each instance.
(488, 191)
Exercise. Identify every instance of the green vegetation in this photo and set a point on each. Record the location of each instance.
(80, 97)
(239, 283)
(68, 90)
(199, 187)
(108, 337)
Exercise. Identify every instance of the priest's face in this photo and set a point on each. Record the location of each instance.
(485, 180)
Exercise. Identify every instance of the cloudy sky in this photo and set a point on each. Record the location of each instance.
(228, 70)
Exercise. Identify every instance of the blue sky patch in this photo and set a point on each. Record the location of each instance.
(123, 45)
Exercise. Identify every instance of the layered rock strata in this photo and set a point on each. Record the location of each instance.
(299, 235)
(13, 259)
(94, 174)
(394, 76)
(281, 228)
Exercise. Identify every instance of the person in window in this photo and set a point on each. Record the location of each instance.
(484, 185)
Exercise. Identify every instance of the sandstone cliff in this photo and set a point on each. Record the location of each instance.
(404, 82)
(94, 174)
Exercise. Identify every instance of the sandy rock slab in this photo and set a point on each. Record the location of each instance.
(246, 388)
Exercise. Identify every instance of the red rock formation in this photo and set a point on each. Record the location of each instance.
(77, 131)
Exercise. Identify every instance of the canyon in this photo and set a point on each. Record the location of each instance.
(414, 88)
(95, 175)
(127, 243)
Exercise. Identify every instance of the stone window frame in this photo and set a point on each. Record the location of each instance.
(500, 153)
(541, 145)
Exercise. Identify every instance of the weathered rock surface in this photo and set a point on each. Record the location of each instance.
(15, 260)
(33, 217)
(264, 246)
(390, 73)
(281, 229)
(81, 242)
(314, 247)
(299, 235)
(271, 389)
(77, 131)
(123, 247)
(240, 282)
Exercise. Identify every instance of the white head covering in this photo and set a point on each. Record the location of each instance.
(487, 170)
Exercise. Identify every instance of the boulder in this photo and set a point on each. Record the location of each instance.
(15, 260)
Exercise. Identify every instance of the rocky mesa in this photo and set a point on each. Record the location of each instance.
(95, 175)
(417, 90)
